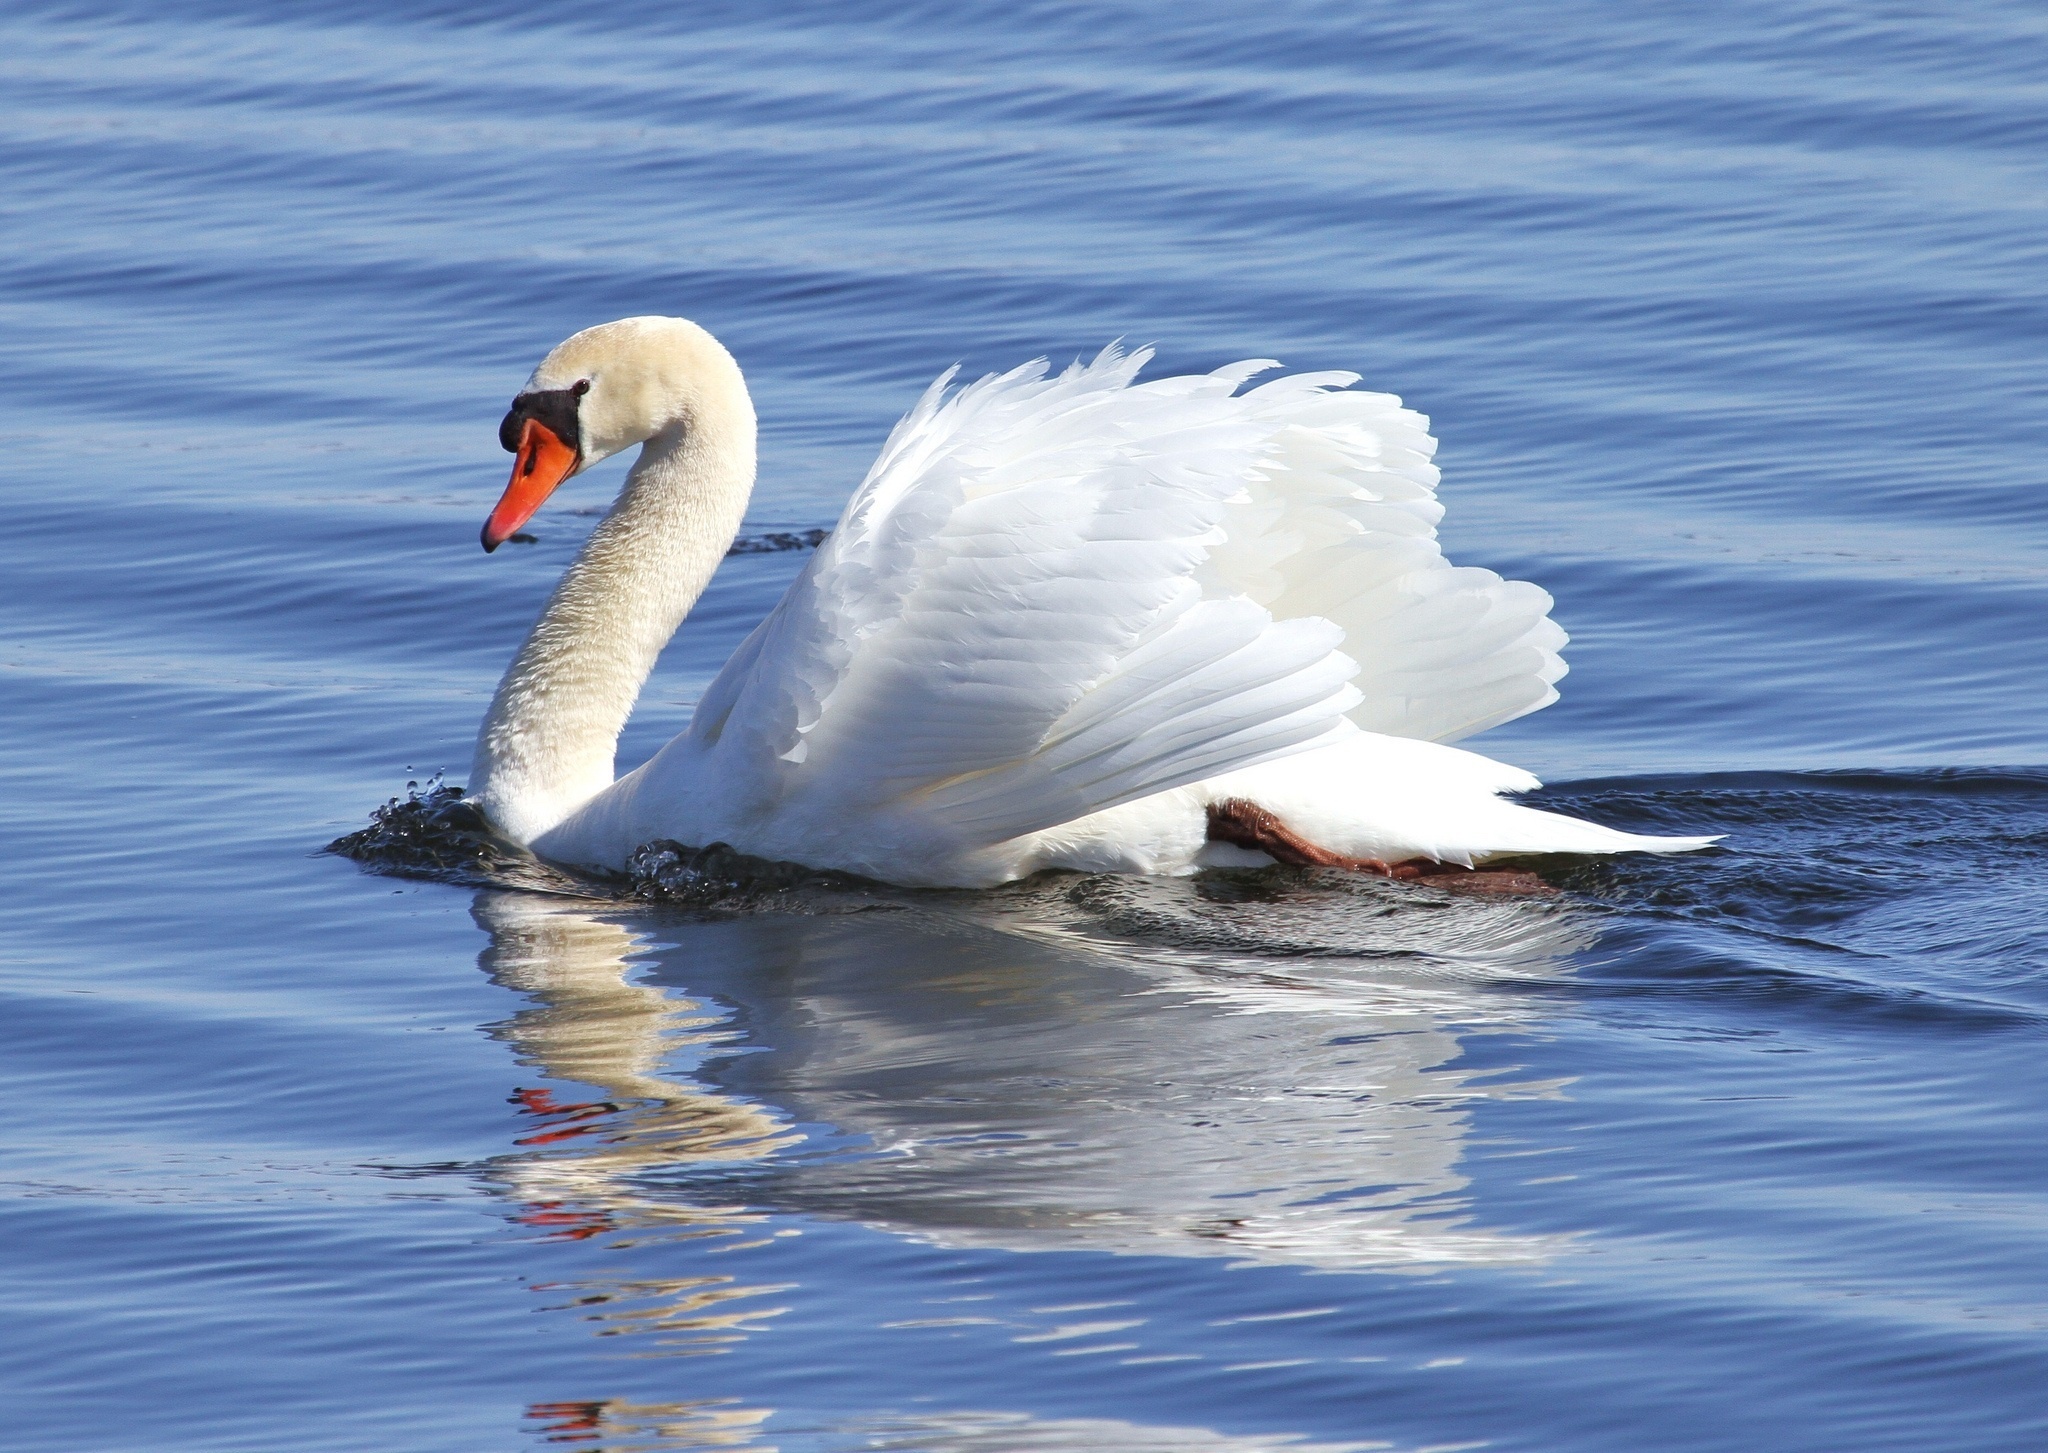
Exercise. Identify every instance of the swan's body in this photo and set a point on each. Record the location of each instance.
(1060, 622)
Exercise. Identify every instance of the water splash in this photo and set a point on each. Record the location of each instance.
(437, 833)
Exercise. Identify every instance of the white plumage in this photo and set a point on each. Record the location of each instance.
(1061, 617)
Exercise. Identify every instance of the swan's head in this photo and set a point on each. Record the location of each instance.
(606, 389)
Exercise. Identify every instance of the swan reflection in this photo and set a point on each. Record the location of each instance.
(985, 1071)
(1261, 1068)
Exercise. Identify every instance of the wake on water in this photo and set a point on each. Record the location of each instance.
(1821, 883)
(433, 833)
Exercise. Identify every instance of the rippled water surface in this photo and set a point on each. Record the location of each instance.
(1730, 320)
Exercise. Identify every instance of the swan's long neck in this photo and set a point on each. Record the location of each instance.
(547, 744)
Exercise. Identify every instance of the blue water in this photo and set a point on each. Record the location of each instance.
(1730, 321)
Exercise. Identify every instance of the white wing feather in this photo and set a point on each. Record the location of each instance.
(1054, 595)
(1341, 523)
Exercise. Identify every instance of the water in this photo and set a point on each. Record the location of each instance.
(1730, 324)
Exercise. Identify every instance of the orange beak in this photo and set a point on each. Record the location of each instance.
(543, 461)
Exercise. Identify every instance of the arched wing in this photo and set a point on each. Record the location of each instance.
(1010, 621)
(1339, 522)
(1054, 595)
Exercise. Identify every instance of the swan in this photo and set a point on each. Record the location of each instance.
(1068, 621)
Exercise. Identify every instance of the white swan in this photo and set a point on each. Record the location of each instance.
(1067, 622)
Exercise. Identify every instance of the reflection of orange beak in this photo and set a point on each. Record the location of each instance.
(543, 461)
